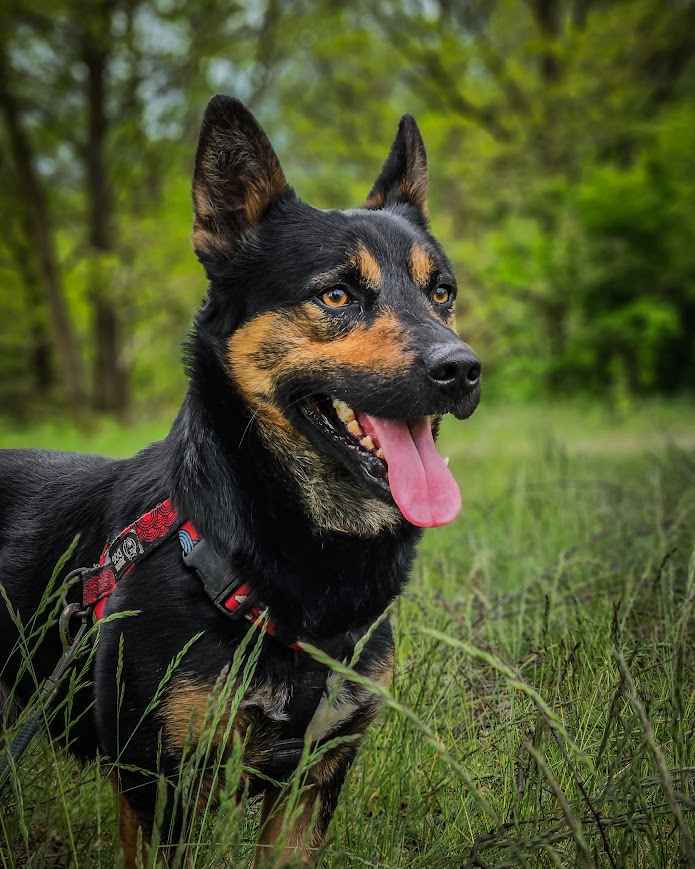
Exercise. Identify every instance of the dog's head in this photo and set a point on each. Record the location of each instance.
(337, 327)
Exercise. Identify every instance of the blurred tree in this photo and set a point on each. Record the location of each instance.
(21, 261)
(112, 91)
(561, 151)
(95, 43)
(32, 246)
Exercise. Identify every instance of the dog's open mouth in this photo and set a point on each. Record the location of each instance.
(398, 456)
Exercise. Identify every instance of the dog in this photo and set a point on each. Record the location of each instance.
(303, 464)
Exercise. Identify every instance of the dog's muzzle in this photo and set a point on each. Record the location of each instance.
(454, 371)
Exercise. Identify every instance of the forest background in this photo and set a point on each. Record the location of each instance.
(561, 139)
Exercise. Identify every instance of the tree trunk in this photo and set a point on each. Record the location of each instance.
(547, 14)
(40, 239)
(39, 353)
(555, 161)
(40, 345)
(110, 377)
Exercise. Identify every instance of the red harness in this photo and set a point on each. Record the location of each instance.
(137, 540)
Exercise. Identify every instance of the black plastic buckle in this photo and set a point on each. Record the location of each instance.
(217, 576)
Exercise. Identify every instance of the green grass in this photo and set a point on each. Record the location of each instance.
(544, 703)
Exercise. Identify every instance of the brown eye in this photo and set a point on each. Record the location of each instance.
(336, 298)
(442, 296)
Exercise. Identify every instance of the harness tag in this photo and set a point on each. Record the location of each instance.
(125, 550)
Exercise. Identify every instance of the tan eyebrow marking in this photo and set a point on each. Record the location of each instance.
(376, 200)
(421, 265)
(366, 264)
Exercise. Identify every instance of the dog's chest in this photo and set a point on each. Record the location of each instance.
(322, 704)
(309, 709)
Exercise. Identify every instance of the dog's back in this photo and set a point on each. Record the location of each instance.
(37, 484)
(21, 476)
(46, 498)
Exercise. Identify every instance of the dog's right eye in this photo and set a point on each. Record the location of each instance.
(338, 297)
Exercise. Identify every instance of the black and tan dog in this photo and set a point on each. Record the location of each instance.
(320, 363)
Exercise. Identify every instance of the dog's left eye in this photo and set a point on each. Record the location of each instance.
(443, 295)
(338, 297)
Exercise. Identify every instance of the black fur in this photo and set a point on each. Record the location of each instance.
(218, 468)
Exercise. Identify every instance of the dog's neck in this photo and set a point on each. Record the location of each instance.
(237, 490)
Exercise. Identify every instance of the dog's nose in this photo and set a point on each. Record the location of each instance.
(453, 366)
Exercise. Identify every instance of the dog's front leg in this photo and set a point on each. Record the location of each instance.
(136, 822)
(131, 835)
(298, 841)
(133, 831)
(280, 844)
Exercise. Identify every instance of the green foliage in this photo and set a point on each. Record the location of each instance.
(562, 162)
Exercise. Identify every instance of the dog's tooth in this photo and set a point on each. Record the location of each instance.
(380, 453)
(367, 443)
(354, 428)
(446, 461)
(343, 409)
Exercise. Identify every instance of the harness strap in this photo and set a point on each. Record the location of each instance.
(135, 542)
(227, 591)
(225, 588)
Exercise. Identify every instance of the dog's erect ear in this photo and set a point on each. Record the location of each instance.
(403, 177)
(237, 177)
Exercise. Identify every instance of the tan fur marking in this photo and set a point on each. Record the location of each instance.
(325, 771)
(382, 673)
(299, 342)
(380, 348)
(203, 239)
(185, 713)
(375, 201)
(367, 266)
(128, 829)
(201, 201)
(415, 191)
(300, 842)
(421, 265)
(296, 342)
(278, 342)
(276, 416)
(184, 710)
(260, 195)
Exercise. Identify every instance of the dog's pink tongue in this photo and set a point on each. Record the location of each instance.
(421, 483)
